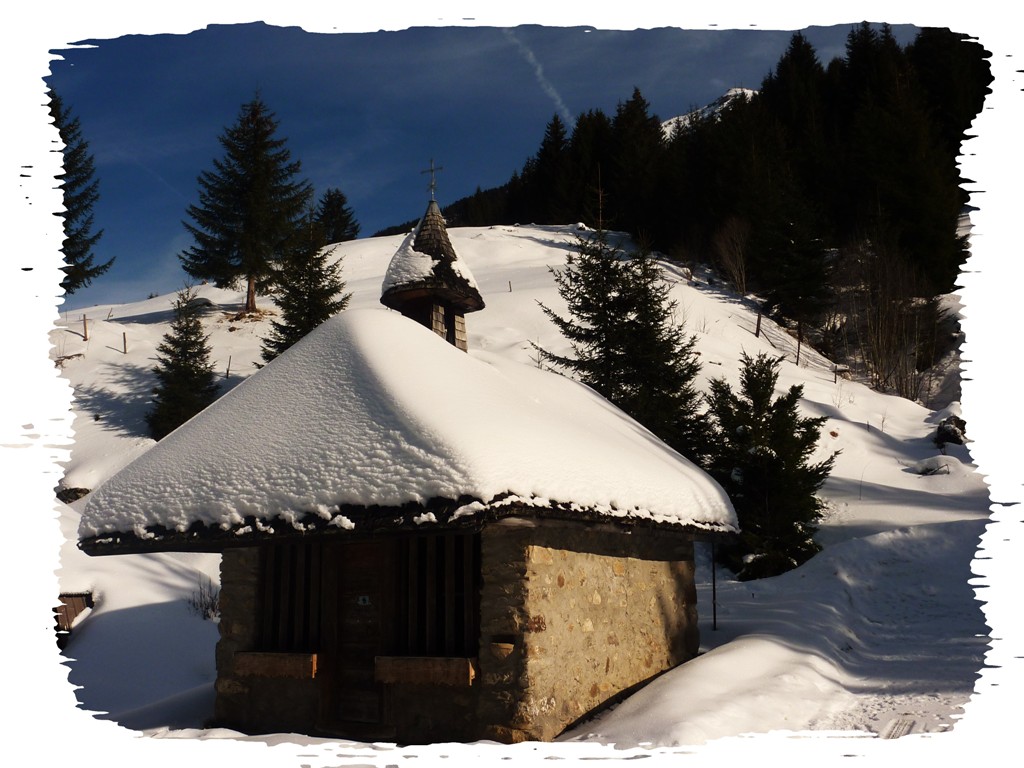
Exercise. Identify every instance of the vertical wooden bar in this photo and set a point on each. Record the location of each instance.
(412, 590)
(285, 584)
(268, 596)
(329, 631)
(299, 590)
(400, 638)
(314, 600)
(430, 597)
(470, 571)
(449, 595)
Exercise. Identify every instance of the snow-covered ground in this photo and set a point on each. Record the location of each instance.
(879, 636)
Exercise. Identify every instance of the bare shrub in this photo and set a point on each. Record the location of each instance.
(730, 244)
(204, 601)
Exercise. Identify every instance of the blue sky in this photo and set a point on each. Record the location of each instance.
(364, 112)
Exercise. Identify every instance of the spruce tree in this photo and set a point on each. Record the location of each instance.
(625, 342)
(547, 177)
(760, 453)
(185, 378)
(593, 285)
(589, 151)
(250, 206)
(637, 153)
(81, 191)
(664, 362)
(335, 216)
(309, 290)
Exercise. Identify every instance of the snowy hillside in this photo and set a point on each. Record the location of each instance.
(879, 635)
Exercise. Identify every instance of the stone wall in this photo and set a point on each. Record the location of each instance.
(572, 616)
(253, 703)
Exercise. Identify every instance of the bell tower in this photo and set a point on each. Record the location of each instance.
(427, 282)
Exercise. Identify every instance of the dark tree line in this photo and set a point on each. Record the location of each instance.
(805, 193)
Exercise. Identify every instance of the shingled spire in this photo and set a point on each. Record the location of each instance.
(427, 282)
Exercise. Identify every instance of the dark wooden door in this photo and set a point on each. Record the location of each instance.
(358, 626)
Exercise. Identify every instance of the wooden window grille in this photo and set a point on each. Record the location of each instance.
(290, 590)
(438, 596)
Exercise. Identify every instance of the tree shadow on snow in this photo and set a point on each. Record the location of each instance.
(125, 411)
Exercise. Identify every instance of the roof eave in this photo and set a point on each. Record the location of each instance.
(467, 299)
(374, 522)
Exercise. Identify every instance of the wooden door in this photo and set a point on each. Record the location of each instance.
(357, 627)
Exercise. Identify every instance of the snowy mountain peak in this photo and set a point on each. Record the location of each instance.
(711, 110)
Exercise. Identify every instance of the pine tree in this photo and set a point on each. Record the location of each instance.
(795, 271)
(593, 285)
(250, 206)
(664, 362)
(547, 176)
(186, 383)
(625, 343)
(336, 217)
(309, 284)
(589, 151)
(637, 152)
(81, 191)
(760, 452)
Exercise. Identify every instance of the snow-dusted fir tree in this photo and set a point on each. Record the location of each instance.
(760, 453)
(310, 289)
(250, 206)
(626, 343)
(81, 191)
(186, 383)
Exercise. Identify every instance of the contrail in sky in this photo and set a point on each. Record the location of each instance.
(538, 72)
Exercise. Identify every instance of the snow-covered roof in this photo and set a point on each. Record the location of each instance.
(374, 410)
(427, 260)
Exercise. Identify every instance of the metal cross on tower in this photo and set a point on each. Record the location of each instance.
(433, 180)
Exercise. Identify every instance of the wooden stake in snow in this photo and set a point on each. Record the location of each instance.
(124, 342)
(757, 330)
(85, 327)
(714, 589)
(799, 341)
(228, 371)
